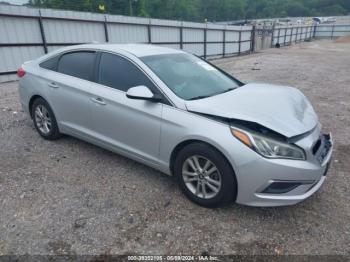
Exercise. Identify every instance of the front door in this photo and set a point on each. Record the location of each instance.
(128, 125)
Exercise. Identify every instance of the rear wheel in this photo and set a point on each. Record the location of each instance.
(205, 176)
(44, 120)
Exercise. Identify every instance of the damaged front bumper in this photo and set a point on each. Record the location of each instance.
(280, 182)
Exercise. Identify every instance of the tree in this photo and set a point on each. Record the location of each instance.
(199, 10)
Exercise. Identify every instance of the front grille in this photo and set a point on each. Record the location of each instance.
(316, 146)
(325, 147)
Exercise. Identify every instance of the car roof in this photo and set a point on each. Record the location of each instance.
(138, 50)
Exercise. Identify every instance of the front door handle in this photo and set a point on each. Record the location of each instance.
(53, 85)
(99, 101)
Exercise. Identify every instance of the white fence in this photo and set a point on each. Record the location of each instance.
(283, 36)
(331, 31)
(288, 35)
(28, 33)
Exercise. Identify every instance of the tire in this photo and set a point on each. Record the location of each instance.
(225, 176)
(48, 131)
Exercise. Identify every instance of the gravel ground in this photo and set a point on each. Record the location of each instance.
(70, 197)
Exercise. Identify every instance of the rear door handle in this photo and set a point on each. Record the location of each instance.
(53, 85)
(99, 101)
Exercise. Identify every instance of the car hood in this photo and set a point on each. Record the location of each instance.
(280, 108)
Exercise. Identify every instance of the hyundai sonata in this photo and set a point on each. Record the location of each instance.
(223, 140)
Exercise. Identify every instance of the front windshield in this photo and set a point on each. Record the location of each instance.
(188, 76)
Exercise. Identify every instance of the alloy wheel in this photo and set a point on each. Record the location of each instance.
(43, 119)
(201, 177)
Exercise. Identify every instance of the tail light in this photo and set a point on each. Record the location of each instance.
(21, 72)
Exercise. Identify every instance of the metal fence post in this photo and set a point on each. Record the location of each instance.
(302, 37)
(205, 42)
(311, 28)
(278, 35)
(252, 40)
(285, 36)
(296, 35)
(239, 42)
(181, 36)
(273, 34)
(223, 42)
(332, 31)
(42, 32)
(315, 28)
(310, 36)
(106, 29)
(149, 32)
(291, 36)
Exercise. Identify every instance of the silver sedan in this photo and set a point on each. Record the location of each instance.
(223, 140)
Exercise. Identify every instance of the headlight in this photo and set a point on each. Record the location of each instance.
(268, 147)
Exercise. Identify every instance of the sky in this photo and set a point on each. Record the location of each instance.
(16, 2)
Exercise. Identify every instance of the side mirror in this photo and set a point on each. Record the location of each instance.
(142, 93)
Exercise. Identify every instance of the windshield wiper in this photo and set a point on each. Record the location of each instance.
(225, 91)
(198, 97)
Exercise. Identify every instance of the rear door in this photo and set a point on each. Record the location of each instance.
(70, 91)
(129, 126)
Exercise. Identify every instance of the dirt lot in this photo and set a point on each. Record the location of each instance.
(70, 197)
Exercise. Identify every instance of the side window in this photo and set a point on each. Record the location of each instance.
(50, 64)
(121, 74)
(79, 64)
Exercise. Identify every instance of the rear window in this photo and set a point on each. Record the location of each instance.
(78, 64)
(50, 64)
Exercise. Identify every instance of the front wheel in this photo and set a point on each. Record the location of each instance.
(205, 176)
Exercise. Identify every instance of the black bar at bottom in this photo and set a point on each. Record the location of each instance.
(8, 73)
